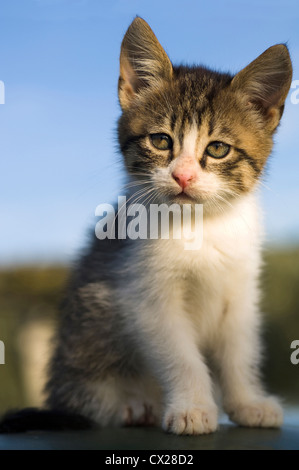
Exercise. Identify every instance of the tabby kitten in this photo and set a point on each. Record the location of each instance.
(142, 318)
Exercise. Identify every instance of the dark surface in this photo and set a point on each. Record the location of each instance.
(33, 419)
(227, 437)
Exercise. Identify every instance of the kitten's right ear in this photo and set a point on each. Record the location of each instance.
(143, 62)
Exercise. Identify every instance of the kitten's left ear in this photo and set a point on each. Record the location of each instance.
(143, 62)
(265, 82)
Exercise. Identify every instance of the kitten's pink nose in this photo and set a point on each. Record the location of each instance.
(183, 178)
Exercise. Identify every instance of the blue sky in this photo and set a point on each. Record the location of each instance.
(59, 64)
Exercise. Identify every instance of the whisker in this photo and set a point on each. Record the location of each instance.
(126, 202)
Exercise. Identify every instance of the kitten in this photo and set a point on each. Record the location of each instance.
(142, 318)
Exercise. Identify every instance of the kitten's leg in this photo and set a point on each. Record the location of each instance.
(126, 401)
(115, 400)
(168, 339)
(238, 356)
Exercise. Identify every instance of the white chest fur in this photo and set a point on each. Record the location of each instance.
(203, 282)
(228, 240)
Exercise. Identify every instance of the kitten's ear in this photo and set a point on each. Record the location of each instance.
(143, 61)
(265, 82)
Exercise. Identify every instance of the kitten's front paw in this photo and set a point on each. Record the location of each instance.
(265, 413)
(201, 420)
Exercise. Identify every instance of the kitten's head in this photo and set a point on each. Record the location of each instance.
(189, 134)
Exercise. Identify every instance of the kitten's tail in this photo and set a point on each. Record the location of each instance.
(35, 419)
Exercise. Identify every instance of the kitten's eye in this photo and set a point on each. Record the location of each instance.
(161, 141)
(218, 149)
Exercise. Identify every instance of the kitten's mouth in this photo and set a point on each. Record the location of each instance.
(184, 197)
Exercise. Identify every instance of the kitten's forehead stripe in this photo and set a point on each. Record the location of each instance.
(211, 125)
(173, 120)
(182, 125)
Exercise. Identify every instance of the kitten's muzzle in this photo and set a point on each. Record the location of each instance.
(183, 178)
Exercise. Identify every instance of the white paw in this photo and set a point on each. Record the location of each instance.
(265, 413)
(138, 414)
(201, 420)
